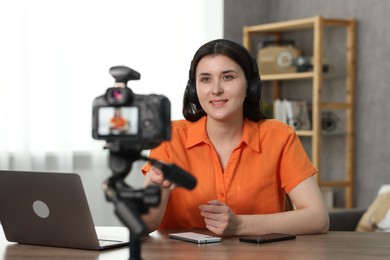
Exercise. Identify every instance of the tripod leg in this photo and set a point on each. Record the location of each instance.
(135, 247)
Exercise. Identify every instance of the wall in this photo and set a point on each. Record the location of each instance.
(372, 118)
(55, 58)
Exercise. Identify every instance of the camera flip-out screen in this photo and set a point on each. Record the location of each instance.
(118, 121)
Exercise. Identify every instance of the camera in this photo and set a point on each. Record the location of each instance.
(130, 123)
(136, 122)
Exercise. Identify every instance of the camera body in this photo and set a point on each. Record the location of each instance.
(135, 122)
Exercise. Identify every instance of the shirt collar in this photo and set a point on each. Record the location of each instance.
(197, 134)
(251, 135)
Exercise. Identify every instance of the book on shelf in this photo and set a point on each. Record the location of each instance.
(293, 112)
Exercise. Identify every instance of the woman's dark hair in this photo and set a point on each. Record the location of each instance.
(192, 110)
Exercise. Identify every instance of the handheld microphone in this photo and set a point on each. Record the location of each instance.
(175, 174)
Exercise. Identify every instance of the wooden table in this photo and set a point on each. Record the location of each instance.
(333, 245)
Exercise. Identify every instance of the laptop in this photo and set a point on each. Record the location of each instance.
(49, 209)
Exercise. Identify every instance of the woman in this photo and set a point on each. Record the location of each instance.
(245, 165)
(118, 124)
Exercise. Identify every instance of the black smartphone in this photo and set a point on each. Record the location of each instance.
(267, 238)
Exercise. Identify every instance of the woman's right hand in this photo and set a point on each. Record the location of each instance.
(156, 177)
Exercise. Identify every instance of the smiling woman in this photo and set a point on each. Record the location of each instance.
(55, 59)
(241, 160)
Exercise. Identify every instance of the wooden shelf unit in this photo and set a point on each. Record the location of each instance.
(317, 24)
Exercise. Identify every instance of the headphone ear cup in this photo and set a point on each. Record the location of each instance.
(191, 92)
(254, 90)
(254, 84)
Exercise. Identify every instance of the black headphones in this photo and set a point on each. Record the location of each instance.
(254, 83)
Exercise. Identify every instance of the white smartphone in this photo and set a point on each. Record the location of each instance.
(195, 237)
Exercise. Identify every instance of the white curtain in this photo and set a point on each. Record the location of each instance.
(54, 60)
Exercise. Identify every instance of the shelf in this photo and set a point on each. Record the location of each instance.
(298, 75)
(300, 24)
(343, 106)
(281, 26)
(304, 132)
(287, 76)
(317, 25)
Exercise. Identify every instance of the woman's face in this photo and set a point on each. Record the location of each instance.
(221, 87)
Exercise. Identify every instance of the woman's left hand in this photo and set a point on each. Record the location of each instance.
(219, 218)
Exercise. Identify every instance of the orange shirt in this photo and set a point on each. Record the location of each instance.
(268, 163)
(118, 122)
